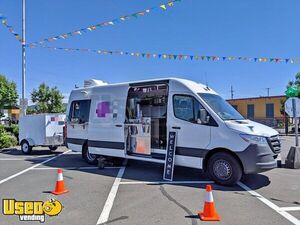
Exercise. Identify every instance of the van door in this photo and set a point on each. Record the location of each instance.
(77, 124)
(106, 128)
(192, 136)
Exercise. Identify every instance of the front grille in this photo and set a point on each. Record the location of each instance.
(274, 143)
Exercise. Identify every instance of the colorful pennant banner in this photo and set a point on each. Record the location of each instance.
(3, 20)
(120, 19)
(179, 56)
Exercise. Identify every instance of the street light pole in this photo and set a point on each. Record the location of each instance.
(23, 105)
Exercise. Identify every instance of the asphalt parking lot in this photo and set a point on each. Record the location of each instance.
(135, 193)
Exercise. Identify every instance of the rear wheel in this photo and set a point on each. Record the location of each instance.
(25, 147)
(88, 157)
(224, 169)
(52, 147)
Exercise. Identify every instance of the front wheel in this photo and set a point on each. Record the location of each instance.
(224, 169)
(88, 157)
(25, 147)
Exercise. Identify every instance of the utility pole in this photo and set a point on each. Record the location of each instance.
(231, 91)
(23, 104)
(268, 89)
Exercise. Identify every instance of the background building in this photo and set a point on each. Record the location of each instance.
(267, 110)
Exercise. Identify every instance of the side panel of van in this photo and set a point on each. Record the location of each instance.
(77, 120)
(107, 116)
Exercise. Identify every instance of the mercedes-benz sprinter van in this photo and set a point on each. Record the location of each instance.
(132, 120)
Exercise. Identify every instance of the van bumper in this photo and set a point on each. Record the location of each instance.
(257, 158)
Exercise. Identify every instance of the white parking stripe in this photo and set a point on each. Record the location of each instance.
(167, 182)
(277, 209)
(293, 208)
(74, 168)
(23, 159)
(32, 167)
(11, 159)
(103, 218)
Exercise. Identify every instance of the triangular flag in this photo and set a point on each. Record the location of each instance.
(197, 57)
(287, 60)
(208, 58)
(159, 55)
(170, 4)
(143, 54)
(163, 6)
(175, 56)
(202, 57)
(164, 56)
(191, 57)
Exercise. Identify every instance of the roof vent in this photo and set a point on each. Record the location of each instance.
(93, 82)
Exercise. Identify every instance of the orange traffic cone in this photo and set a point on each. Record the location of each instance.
(209, 212)
(60, 184)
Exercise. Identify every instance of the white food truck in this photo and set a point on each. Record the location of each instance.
(41, 130)
(132, 120)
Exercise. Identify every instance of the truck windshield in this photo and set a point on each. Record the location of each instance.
(221, 107)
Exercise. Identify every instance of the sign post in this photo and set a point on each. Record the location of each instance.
(170, 157)
(292, 108)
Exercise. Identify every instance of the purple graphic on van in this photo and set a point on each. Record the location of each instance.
(103, 108)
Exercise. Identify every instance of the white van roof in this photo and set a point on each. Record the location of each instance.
(192, 85)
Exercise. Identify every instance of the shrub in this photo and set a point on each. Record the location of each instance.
(2, 130)
(13, 129)
(7, 140)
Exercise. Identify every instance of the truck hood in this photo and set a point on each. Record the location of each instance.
(250, 127)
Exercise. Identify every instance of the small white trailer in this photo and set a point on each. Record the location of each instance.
(41, 130)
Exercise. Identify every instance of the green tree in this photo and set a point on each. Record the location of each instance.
(47, 100)
(295, 83)
(8, 93)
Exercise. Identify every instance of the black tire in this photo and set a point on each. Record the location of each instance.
(52, 147)
(89, 158)
(25, 147)
(224, 169)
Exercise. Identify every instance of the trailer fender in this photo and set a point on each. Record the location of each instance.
(30, 141)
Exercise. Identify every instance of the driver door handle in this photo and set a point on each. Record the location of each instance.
(118, 125)
(177, 128)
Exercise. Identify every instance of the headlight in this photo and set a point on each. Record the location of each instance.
(253, 139)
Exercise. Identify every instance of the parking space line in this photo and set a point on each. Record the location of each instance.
(74, 168)
(11, 159)
(293, 208)
(167, 182)
(24, 171)
(277, 209)
(103, 218)
(22, 159)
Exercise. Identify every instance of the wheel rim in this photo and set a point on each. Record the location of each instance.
(25, 147)
(222, 169)
(90, 156)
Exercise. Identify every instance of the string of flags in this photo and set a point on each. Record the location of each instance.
(148, 55)
(112, 22)
(3, 20)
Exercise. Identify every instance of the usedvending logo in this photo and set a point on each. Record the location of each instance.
(31, 210)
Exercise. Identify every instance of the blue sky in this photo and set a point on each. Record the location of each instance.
(255, 28)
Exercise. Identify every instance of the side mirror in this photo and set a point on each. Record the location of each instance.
(204, 118)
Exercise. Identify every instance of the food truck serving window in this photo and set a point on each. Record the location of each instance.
(79, 111)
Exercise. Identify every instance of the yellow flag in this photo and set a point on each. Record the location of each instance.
(163, 7)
